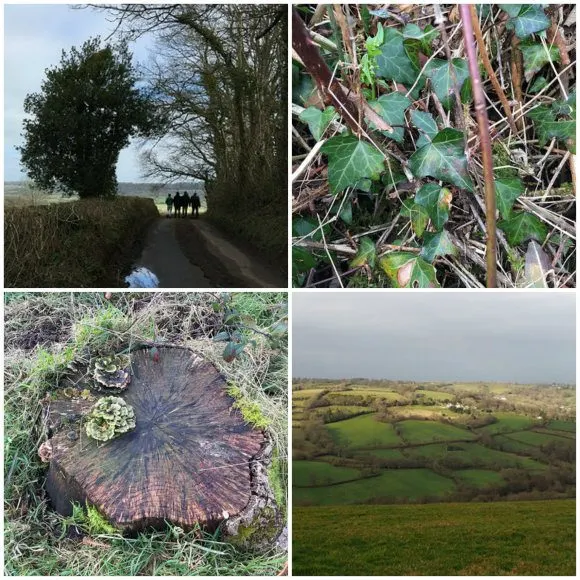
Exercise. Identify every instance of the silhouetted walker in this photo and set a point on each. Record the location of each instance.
(169, 204)
(195, 205)
(185, 203)
(178, 204)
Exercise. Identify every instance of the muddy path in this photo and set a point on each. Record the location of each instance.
(192, 253)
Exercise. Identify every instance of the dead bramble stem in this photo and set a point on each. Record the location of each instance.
(485, 142)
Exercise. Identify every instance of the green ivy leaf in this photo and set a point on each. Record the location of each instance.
(302, 260)
(425, 36)
(531, 18)
(366, 254)
(413, 49)
(232, 351)
(391, 108)
(304, 228)
(536, 56)
(512, 9)
(437, 244)
(223, 335)
(522, 226)
(437, 201)
(393, 63)
(407, 270)
(426, 126)
(538, 84)
(439, 71)
(507, 190)
(547, 127)
(317, 120)
(418, 214)
(346, 213)
(443, 158)
(349, 160)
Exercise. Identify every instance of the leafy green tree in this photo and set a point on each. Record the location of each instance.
(84, 115)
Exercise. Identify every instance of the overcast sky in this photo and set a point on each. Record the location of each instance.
(34, 37)
(526, 337)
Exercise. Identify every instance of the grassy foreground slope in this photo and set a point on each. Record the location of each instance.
(475, 539)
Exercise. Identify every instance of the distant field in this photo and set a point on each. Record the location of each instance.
(507, 422)
(342, 408)
(431, 431)
(469, 453)
(513, 446)
(479, 477)
(473, 539)
(564, 434)
(383, 453)
(390, 485)
(306, 473)
(305, 394)
(421, 450)
(537, 439)
(436, 395)
(428, 411)
(364, 431)
(569, 426)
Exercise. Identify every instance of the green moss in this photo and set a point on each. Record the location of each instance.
(97, 523)
(250, 410)
(91, 521)
(276, 473)
(262, 530)
(502, 159)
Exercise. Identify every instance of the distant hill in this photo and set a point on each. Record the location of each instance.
(19, 188)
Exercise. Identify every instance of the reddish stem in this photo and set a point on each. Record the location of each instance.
(485, 141)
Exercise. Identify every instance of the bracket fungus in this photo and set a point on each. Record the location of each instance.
(109, 418)
(189, 460)
(112, 372)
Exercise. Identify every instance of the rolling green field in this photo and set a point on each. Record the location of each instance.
(390, 485)
(364, 431)
(382, 437)
(431, 431)
(475, 539)
(569, 426)
(382, 453)
(537, 439)
(305, 473)
(507, 422)
(469, 453)
(437, 395)
(479, 477)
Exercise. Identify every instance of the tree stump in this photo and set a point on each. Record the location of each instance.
(188, 461)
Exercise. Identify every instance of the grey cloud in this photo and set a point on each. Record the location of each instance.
(526, 336)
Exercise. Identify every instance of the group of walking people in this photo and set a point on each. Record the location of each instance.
(178, 204)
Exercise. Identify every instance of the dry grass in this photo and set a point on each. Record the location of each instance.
(78, 244)
(43, 332)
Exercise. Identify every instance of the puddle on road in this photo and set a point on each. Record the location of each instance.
(142, 278)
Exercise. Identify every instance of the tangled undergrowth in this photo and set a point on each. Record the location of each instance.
(43, 334)
(388, 178)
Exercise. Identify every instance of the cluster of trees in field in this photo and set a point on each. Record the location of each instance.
(210, 106)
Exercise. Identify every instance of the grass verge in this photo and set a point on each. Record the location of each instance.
(43, 331)
(83, 243)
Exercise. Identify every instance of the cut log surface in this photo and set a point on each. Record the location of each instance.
(186, 462)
